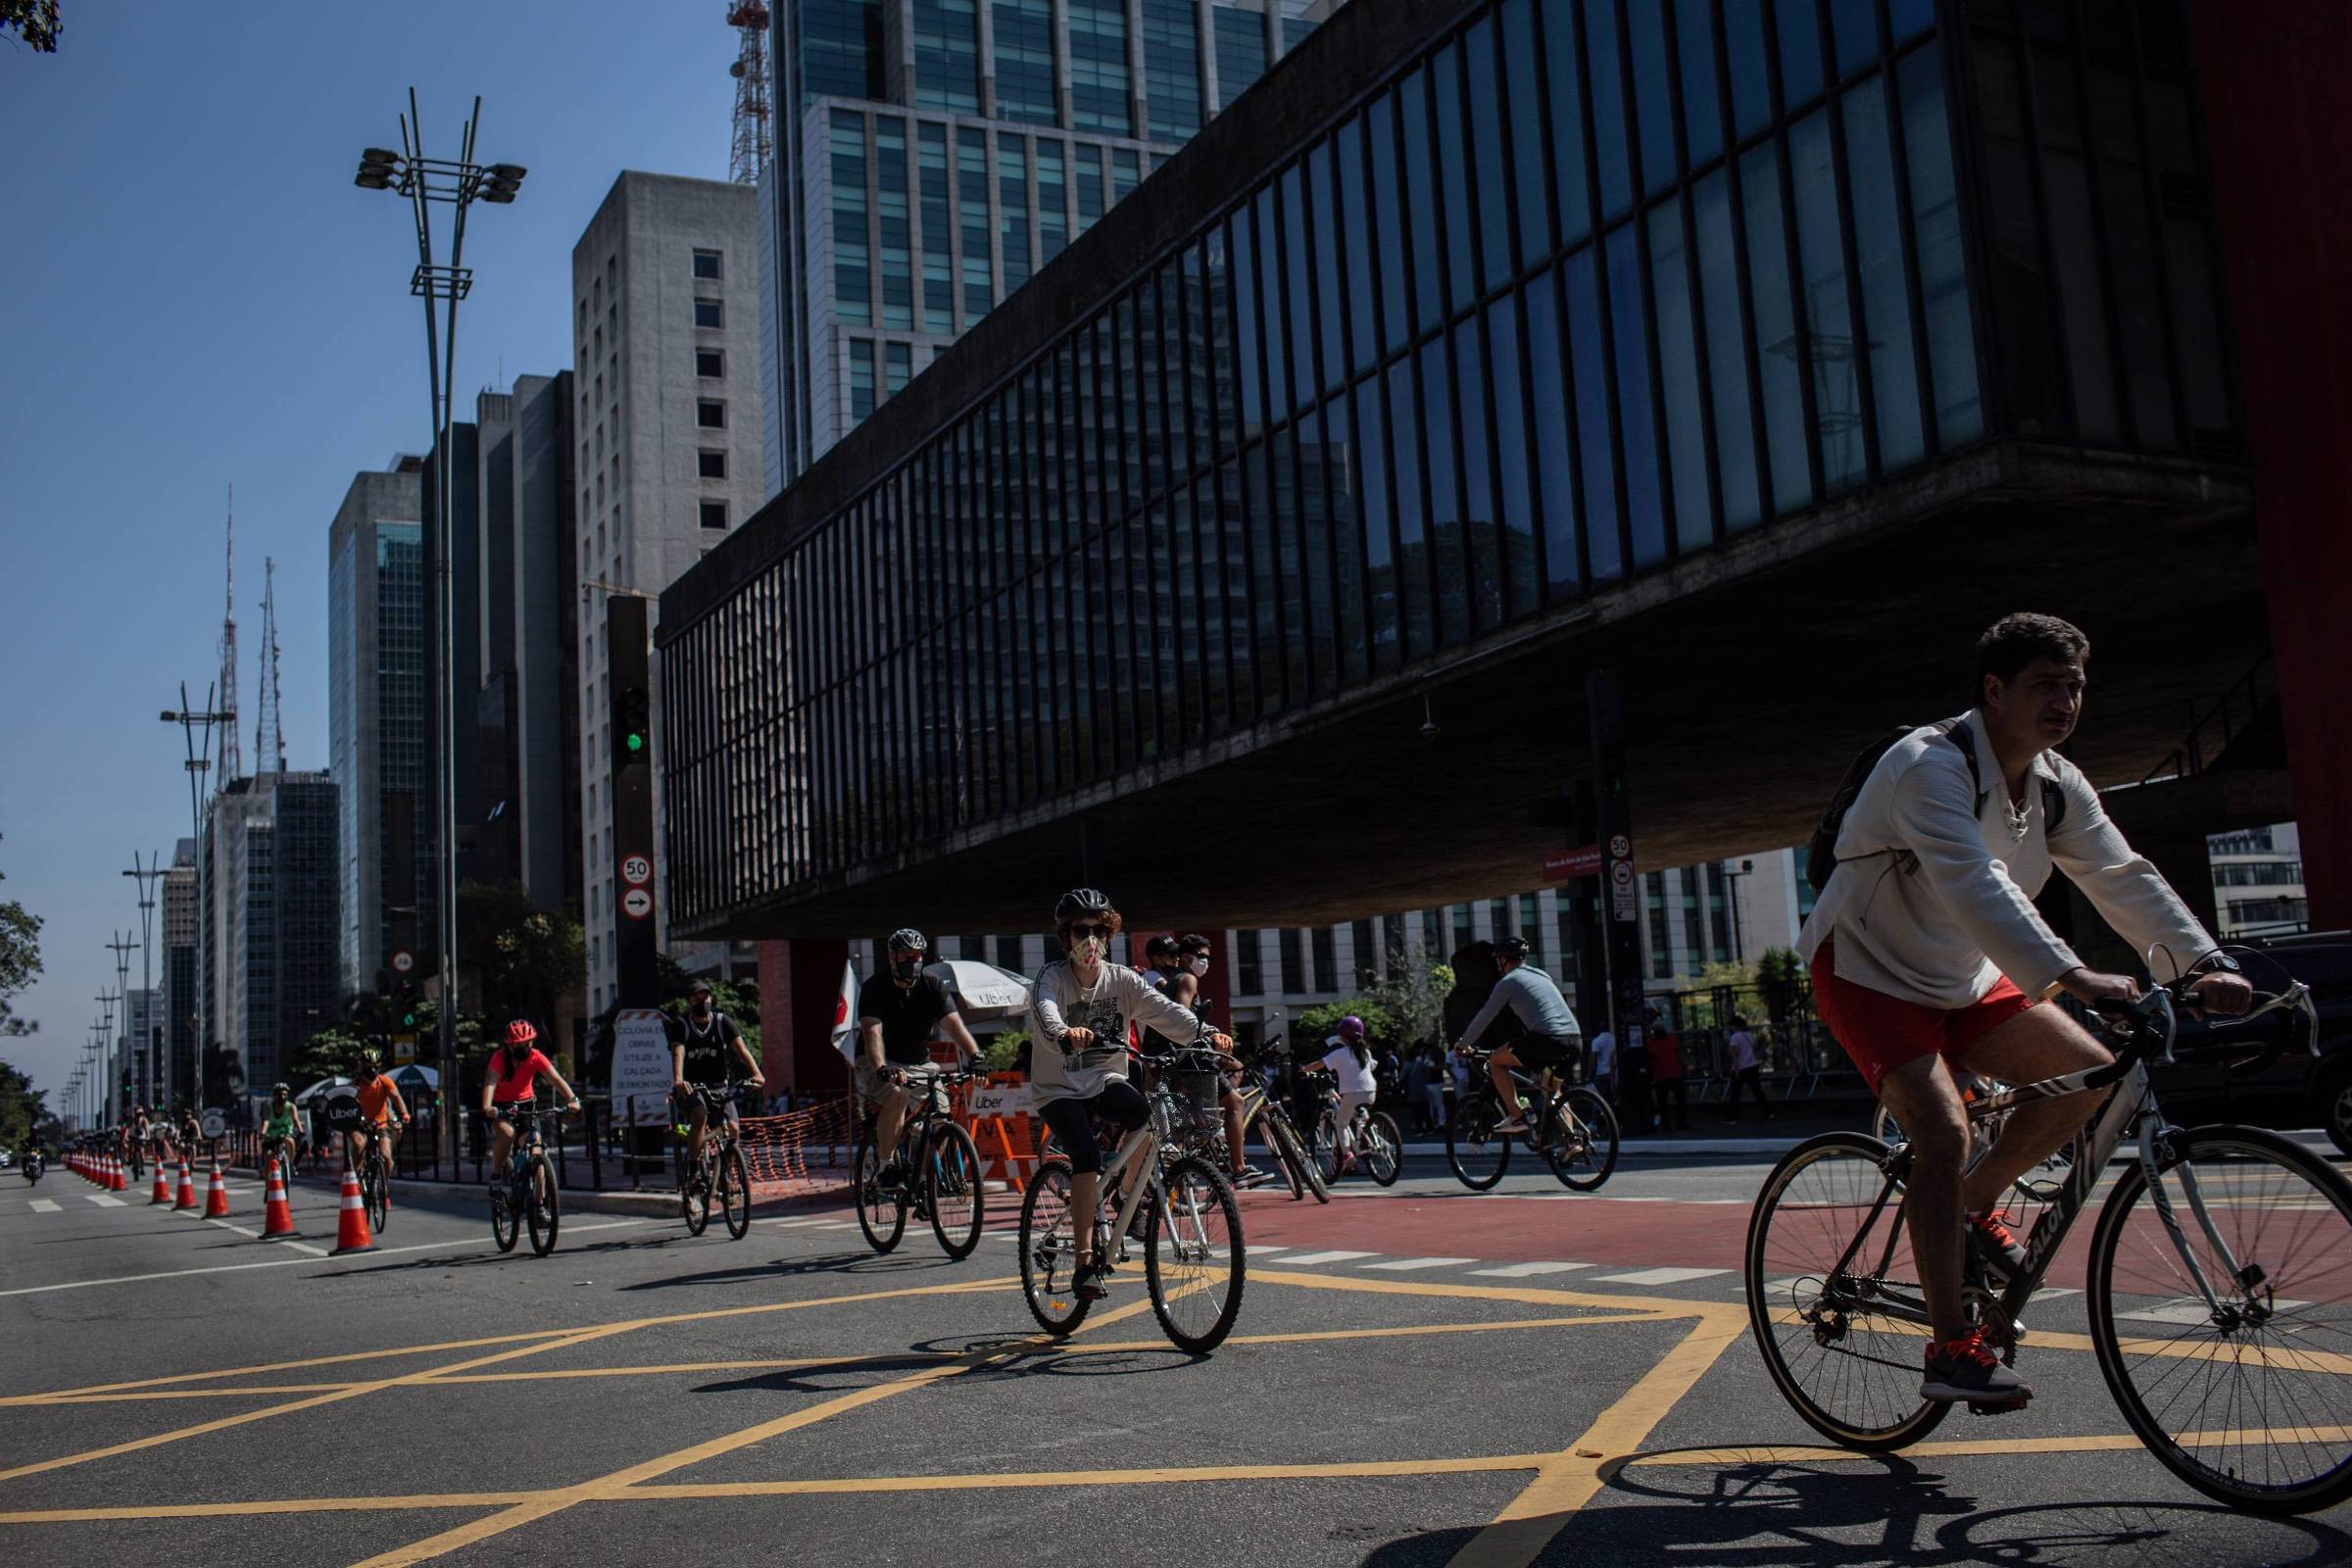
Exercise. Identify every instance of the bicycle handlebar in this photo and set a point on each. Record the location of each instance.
(2146, 1027)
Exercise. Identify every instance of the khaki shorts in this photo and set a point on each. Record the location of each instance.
(870, 1084)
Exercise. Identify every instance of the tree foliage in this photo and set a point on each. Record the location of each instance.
(1317, 1024)
(20, 943)
(524, 958)
(739, 999)
(22, 1107)
(1781, 980)
(33, 21)
(1411, 998)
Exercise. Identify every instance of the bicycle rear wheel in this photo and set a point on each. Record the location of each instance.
(951, 1181)
(1310, 1172)
(1584, 1152)
(881, 1213)
(1050, 1250)
(694, 1191)
(1381, 1148)
(1326, 1147)
(1851, 1369)
(2253, 1404)
(734, 1191)
(544, 1208)
(1194, 1264)
(1478, 1153)
(1282, 1147)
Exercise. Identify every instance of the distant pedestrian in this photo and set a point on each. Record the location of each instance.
(1666, 1071)
(1747, 1071)
(1605, 1064)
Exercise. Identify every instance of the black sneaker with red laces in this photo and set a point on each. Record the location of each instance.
(1965, 1368)
(1996, 1246)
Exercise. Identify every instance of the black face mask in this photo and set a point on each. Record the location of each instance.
(701, 1009)
(905, 969)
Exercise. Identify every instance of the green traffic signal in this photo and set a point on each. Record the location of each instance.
(635, 743)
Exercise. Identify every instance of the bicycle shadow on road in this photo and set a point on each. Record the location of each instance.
(1023, 1356)
(1880, 1510)
(862, 1264)
(522, 1254)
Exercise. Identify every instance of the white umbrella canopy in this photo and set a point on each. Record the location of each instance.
(322, 1089)
(982, 989)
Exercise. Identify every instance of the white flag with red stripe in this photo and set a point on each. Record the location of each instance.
(845, 1015)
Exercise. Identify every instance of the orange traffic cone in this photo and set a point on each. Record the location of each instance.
(350, 1226)
(215, 1196)
(163, 1187)
(277, 1215)
(116, 1180)
(187, 1187)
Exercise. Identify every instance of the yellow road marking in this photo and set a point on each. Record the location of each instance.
(1805, 1454)
(240, 1511)
(1337, 1469)
(1568, 1478)
(1654, 1307)
(290, 1366)
(619, 1480)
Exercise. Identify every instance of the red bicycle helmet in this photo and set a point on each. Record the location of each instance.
(520, 1032)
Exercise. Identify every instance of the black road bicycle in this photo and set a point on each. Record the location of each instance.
(375, 1177)
(940, 1172)
(2219, 1279)
(721, 1172)
(525, 1193)
(1568, 1125)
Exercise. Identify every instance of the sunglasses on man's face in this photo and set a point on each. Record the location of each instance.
(1083, 932)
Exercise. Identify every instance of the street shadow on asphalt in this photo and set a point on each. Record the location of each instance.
(861, 1265)
(522, 1254)
(1770, 1513)
(1013, 1357)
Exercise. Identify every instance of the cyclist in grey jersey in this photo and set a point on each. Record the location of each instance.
(1080, 1007)
(1553, 1040)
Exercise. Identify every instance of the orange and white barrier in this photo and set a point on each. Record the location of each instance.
(187, 1188)
(215, 1196)
(278, 1214)
(351, 1225)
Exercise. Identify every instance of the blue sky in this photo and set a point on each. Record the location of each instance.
(195, 294)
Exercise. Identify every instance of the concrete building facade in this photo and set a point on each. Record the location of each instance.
(2258, 882)
(179, 974)
(666, 422)
(273, 916)
(381, 721)
(933, 154)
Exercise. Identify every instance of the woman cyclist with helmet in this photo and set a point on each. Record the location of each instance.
(511, 1080)
(1080, 1010)
(280, 1128)
(1348, 1061)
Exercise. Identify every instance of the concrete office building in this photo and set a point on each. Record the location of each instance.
(381, 723)
(932, 155)
(180, 900)
(274, 919)
(516, 639)
(2258, 882)
(668, 458)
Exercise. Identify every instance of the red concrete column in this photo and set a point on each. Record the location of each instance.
(800, 993)
(2280, 131)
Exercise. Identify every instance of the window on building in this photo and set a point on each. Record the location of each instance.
(1172, 66)
(711, 414)
(1293, 961)
(1099, 67)
(710, 464)
(898, 366)
(1241, 51)
(1367, 954)
(1327, 959)
(1249, 964)
(947, 56)
(711, 363)
(709, 313)
(715, 514)
(861, 377)
(706, 265)
(1009, 954)
(1024, 34)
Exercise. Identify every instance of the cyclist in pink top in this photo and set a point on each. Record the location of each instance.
(512, 1078)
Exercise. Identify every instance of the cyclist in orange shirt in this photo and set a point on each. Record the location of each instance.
(377, 1094)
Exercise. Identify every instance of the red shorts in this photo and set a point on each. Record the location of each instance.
(1880, 1032)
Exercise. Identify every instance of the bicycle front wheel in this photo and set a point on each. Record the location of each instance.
(380, 1196)
(1579, 1143)
(1050, 1250)
(1381, 1148)
(1327, 1149)
(1826, 1262)
(734, 1191)
(1478, 1153)
(1194, 1263)
(1282, 1145)
(543, 1207)
(506, 1212)
(2248, 1401)
(952, 1182)
(881, 1212)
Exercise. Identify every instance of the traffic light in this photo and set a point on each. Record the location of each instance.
(632, 726)
(403, 1005)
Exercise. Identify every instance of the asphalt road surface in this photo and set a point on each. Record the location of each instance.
(1420, 1375)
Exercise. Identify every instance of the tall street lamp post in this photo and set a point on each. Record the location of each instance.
(200, 761)
(457, 184)
(115, 1071)
(147, 1051)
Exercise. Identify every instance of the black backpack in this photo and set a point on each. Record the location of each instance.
(1821, 856)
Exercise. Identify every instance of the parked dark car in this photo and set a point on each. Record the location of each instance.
(2298, 1090)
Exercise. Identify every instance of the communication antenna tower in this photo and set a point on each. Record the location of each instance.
(233, 756)
(748, 159)
(268, 729)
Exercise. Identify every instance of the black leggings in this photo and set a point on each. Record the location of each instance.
(1116, 1101)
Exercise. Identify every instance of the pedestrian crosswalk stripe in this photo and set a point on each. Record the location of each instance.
(1521, 1271)
(102, 1200)
(43, 1205)
(1326, 1257)
(1659, 1276)
(1402, 1263)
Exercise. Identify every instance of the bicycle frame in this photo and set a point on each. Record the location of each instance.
(2131, 1109)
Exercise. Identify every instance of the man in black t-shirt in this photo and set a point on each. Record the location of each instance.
(897, 1016)
(705, 1048)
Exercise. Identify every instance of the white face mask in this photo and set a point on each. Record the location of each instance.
(1197, 965)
